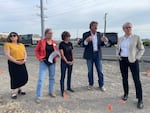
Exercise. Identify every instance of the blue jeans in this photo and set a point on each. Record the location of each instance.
(42, 72)
(65, 66)
(90, 62)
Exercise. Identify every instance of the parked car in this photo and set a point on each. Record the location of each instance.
(112, 37)
(80, 42)
(29, 39)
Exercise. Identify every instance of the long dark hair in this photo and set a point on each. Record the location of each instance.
(9, 37)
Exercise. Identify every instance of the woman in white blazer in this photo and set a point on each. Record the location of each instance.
(129, 51)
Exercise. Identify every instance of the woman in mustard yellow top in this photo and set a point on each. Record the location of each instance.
(16, 55)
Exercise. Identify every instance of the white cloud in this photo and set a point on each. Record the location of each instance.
(21, 15)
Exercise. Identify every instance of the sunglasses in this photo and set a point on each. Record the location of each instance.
(13, 35)
(128, 27)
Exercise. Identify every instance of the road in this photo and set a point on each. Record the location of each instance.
(108, 53)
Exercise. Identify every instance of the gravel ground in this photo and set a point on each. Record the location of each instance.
(82, 100)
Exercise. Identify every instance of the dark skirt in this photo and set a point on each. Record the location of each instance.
(18, 75)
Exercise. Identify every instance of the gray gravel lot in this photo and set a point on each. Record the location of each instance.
(83, 100)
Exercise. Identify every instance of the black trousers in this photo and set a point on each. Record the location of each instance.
(65, 67)
(134, 67)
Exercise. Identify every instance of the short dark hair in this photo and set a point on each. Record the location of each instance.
(65, 34)
(9, 37)
(92, 23)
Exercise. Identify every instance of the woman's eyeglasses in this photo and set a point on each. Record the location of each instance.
(13, 35)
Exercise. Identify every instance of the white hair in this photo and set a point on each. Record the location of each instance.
(126, 24)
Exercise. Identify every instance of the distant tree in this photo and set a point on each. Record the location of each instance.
(146, 43)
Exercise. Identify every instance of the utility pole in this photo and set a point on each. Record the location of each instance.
(42, 18)
(105, 23)
(107, 44)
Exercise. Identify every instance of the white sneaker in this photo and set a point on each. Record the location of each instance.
(37, 100)
(102, 89)
(90, 87)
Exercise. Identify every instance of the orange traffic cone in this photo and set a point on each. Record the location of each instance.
(1, 72)
(147, 73)
(64, 95)
(109, 107)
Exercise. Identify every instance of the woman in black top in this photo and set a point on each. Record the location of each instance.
(67, 58)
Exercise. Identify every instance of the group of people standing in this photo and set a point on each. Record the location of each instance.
(129, 51)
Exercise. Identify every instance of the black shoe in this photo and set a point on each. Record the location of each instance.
(140, 105)
(71, 90)
(14, 96)
(20, 92)
(62, 93)
(125, 97)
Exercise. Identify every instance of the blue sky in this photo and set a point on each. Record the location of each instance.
(22, 16)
